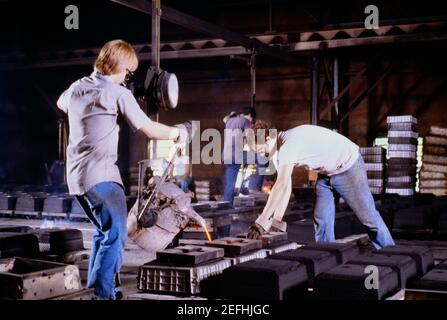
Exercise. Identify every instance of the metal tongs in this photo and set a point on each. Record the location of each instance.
(159, 182)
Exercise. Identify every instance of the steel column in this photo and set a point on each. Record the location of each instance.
(253, 79)
(155, 49)
(335, 88)
(315, 81)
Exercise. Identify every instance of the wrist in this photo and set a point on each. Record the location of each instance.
(265, 223)
(175, 134)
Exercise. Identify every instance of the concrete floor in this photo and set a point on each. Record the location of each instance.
(135, 257)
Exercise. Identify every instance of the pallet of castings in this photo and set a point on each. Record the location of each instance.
(342, 251)
(403, 265)
(401, 119)
(30, 279)
(435, 280)
(423, 256)
(264, 279)
(356, 282)
(316, 261)
(57, 241)
(18, 244)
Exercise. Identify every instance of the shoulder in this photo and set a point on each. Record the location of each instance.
(121, 91)
(117, 92)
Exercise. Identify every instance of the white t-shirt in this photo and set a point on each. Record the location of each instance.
(317, 148)
(180, 165)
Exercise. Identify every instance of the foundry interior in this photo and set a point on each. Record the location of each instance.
(371, 71)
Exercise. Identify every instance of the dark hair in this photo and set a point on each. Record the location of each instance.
(248, 111)
(261, 129)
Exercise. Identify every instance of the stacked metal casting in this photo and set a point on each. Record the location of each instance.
(402, 155)
(374, 158)
(433, 175)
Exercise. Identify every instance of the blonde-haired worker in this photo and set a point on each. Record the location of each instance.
(93, 104)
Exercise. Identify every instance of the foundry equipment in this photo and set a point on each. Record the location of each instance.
(162, 209)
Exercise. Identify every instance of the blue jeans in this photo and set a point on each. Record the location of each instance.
(231, 171)
(105, 205)
(352, 186)
(183, 183)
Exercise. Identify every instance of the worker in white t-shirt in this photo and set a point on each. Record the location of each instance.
(340, 169)
(182, 171)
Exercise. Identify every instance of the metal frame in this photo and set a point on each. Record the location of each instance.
(360, 97)
(201, 26)
(155, 52)
(386, 34)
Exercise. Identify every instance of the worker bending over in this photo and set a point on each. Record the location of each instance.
(340, 169)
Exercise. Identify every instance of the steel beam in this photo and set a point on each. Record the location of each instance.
(192, 23)
(252, 65)
(219, 47)
(354, 42)
(335, 87)
(315, 81)
(155, 49)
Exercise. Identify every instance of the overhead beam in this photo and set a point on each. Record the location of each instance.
(164, 55)
(192, 23)
(199, 49)
(354, 42)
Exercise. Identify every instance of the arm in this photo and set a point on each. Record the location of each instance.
(159, 131)
(62, 102)
(138, 120)
(187, 171)
(281, 209)
(279, 197)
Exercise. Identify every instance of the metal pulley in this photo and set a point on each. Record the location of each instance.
(161, 89)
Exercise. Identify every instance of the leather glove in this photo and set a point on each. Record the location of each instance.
(279, 226)
(255, 232)
(185, 132)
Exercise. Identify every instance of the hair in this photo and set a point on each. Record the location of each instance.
(261, 129)
(116, 56)
(248, 111)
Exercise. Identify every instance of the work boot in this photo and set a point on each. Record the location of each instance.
(119, 295)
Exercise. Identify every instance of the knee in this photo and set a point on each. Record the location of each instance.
(117, 232)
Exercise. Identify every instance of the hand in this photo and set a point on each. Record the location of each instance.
(255, 232)
(185, 133)
(279, 226)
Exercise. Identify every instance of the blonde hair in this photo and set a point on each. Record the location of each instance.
(116, 56)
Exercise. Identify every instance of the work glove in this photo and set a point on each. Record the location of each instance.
(279, 226)
(255, 232)
(185, 132)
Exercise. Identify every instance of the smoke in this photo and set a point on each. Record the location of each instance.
(52, 224)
